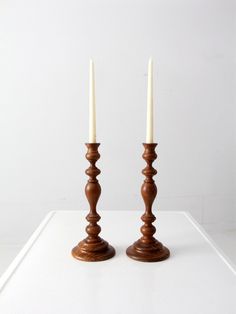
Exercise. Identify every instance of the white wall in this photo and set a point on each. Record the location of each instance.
(45, 50)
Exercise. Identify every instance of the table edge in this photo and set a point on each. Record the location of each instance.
(23, 252)
(211, 242)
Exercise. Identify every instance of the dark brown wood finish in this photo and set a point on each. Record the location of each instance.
(93, 248)
(147, 248)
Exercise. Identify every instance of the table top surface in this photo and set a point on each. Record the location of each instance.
(44, 278)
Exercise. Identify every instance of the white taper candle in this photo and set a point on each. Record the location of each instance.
(92, 104)
(149, 134)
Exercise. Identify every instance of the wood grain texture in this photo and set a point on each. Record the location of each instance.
(93, 248)
(148, 248)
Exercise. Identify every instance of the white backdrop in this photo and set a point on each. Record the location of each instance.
(45, 48)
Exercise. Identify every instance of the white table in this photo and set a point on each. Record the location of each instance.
(45, 279)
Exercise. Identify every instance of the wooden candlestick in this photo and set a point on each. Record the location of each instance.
(147, 248)
(93, 248)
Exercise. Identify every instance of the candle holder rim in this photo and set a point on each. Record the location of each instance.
(150, 144)
(92, 144)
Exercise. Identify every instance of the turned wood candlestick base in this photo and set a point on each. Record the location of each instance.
(147, 248)
(93, 248)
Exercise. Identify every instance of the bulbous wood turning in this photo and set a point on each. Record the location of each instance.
(93, 248)
(147, 248)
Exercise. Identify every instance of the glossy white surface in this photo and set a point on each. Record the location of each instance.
(44, 278)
